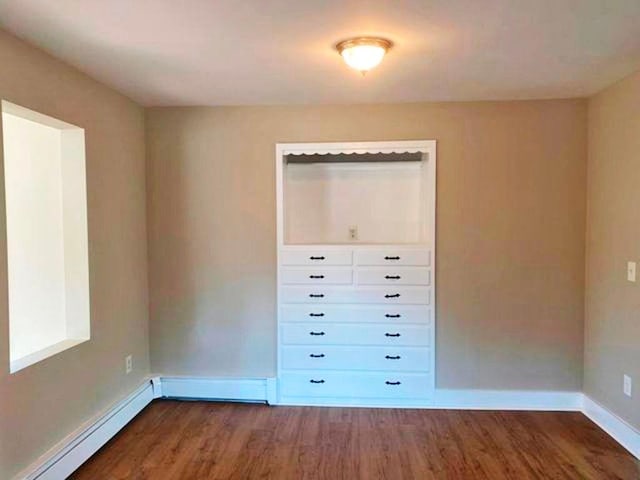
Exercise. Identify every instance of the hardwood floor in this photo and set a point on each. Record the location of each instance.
(200, 440)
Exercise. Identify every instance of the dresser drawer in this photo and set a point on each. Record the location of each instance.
(355, 334)
(412, 257)
(393, 276)
(356, 385)
(356, 313)
(317, 276)
(323, 357)
(317, 257)
(390, 295)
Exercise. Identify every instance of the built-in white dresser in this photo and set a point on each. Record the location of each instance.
(356, 273)
(355, 324)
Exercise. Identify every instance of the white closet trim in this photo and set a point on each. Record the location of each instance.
(357, 313)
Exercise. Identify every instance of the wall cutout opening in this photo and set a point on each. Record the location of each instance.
(47, 245)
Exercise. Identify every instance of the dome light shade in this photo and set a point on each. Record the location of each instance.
(363, 53)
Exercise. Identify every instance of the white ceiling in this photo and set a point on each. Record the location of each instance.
(222, 52)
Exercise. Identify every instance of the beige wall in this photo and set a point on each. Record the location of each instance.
(43, 403)
(612, 329)
(511, 220)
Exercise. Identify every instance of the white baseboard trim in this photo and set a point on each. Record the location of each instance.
(621, 431)
(458, 400)
(156, 383)
(69, 454)
(230, 389)
(272, 390)
(507, 400)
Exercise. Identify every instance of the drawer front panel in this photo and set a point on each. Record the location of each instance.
(317, 276)
(391, 295)
(317, 257)
(393, 276)
(362, 385)
(354, 334)
(356, 313)
(393, 359)
(386, 257)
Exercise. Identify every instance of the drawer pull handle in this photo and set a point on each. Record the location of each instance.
(316, 314)
(392, 258)
(313, 355)
(316, 334)
(392, 277)
(392, 357)
(316, 276)
(316, 295)
(388, 315)
(391, 334)
(392, 383)
(395, 295)
(316, 381)
(317, 258)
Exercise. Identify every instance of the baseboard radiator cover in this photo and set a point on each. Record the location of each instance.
(223, 389)
(75, 449)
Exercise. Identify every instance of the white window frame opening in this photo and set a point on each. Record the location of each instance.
(44, 168)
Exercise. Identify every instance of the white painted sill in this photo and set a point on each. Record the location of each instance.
(35, 357)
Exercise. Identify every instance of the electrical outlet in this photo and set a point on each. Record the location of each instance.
(128, 364)
(631, 271)
(626, 385)
(353, 232)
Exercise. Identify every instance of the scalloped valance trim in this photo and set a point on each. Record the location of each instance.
(358, 151)
(399, 147)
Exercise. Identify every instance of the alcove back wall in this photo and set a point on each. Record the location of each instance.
(510, 233)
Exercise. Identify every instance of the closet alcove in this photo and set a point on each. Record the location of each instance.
(356, 273)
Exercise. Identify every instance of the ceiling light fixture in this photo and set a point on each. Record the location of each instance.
(363, 53)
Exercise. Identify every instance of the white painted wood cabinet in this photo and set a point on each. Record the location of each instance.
(356, 282)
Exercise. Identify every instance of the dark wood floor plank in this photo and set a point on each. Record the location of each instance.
(172, 440)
